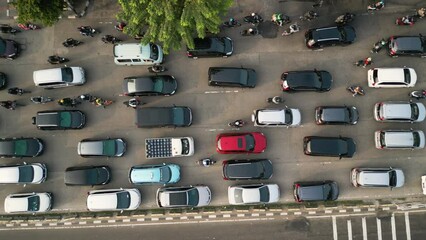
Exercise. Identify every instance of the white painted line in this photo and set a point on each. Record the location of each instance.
(357, 210)
(155, 219)
(97, 221)
(269, 214)
(111, 221)
(379, 229)
(240, 215)
(140, 219)
(67, 223)
(371, 209)
(349, 229)
(39, 224)
(386, 208)
(343, 215)
(297, 213)
(169, 218)
(333, 218)
(364, 228)
(53, 224)
(342, 211)
(393, 227)
(183, 218)
(407, 226)
(126, 220)
(82, 223)
(312, 212)
(284, 213)
(328, 211)
(9, 224)
(255, 214)
(226, 215)
(197, 217)
(24, 224)
(212, 216)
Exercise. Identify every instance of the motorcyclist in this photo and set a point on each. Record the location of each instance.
(54, 59)
(66, 102)
(358, 90)
(133, 103)
(277, 99)
(407, 20)
(157, 68)
(120, 26)
(367, 62)
(232, 22)
(86, 30)
(278, 18)
(15, 91)
(251, 31)
(238, 123)
(8, 104)
(256, 17)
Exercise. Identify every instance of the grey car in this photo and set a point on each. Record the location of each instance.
(87, 176)
(407, 46)
(232, 77)
(159, 85)
(336, 115)
(20, 147)
(175, 116)
(315, 191)
(115, 147)
(377, 177)
(9, 49)
(59, 120)
(329, 146)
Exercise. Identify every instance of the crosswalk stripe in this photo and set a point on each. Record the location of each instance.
(349, 230)
(379, 229)
(407, 226)
(364, 229)
(393, 227)
(334, 227)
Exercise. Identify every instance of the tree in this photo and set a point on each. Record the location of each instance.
(172, 21)
(46, 12)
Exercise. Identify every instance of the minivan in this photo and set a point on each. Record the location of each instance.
(59, 77)
(399, 139)
(391, 77)
(377, 177)
(232, 77)
(137, 54)
(399, 111)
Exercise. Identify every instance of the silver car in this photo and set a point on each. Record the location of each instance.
(286, 117)
(377, 177)
(34, 173)
(115, 147)
(28, 202)
(186, 196)
(253, 194)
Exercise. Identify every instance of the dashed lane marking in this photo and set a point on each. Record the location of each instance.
(393, 227)
(155, 219)
(364, 228)
(184, 218)
(140, 219)
(407, 226)
(379, 229)
(283, 214)
(255, 214)
(349, 229)
(126, 220)
(226, 215)
(97, 221)
(240, 215)
(342, 210)
(111, 221)
(82, 223)
(269, 214)
(334, 227)
(67, 223)
(197, 217)
(53, 224)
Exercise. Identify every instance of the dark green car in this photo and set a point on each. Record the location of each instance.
(59, 120)
(20, 147)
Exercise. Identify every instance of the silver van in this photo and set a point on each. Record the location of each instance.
(399, 139)
(59, 77)
(377, 177)
(137, 54)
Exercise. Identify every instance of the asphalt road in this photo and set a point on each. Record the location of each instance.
(213, 107)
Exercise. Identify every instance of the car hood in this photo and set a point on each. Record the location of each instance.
(297, 117)
(260, 142)
(39, 174)
(78, 119)
(351, 147)
(135, 199)
(350, 33)
(422, 112)
(34, 147)
(170, 85)
(274, 193)
(229, 47)
(400, 178)
(175, 170)
(78, 75)
(252, 77)
(120, 147)
(204, 196)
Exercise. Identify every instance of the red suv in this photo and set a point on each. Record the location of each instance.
(254, 142)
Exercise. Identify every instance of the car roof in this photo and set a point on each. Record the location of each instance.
(403, 43)
(399, 138)
(326, 33)
(374, 177)
(9, 174)
(268, 116)
(246, 169)
(396, 110)
(335, 114)
(88, 175)
(150, 174)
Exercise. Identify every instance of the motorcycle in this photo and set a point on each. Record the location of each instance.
(309, 15)
(69, 102)
(87, 31)
(231, 23)
(120, 27)
(407, 20)
(70, 42)
(28, 26)
(41, 100)
(376, 6)
(293, 28)
(356, 90)
(276, 100)
(11, 105)
(344, 19)
(110, 39)
(157, 69)
(363, 62)
(55, 59)
(378, 46)
(250, 32)
(253, 18)
(6, 28)
(134, 103)
(237, 123)
(17, 91)
(102, 102)
(280, 19)
(419, 94)
(206, 162)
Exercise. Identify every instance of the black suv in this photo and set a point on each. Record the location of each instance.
(407, 45)
(315, 191)
(87, 175)
(232, 77)
(211, 47)
(329, 36)
(160, 85)
(336, 115)
(247, 169)
(59, 120)
(329, 146)
(310, 80)
(163, 117)
(9, 49)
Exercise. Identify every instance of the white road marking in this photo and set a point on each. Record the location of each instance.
(140, 219)
(53, 224)
(333, 218)
(255, 214)
(97, 221)
(407, 226)
(240, 215)
(9, 224)
(82, 223)
(39, 224)
(364, 228)
(312, 212)
(386, 208)
(184, 218)
(169, 218)
(284, 214)
(393, 227)
(297, 213)
(24, 224)
(67, 223)
(269, 214)
(197, 217)
(155, 219)
(126, 220)
(379, 229)
(111, 221)
(371, 209)
(342, 210)
(212, 216)
(226, 215)
(357, 210)
(328, 211)
(349, 229)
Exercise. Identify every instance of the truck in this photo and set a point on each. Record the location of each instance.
(167, 147)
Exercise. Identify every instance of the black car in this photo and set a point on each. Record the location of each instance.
(232, 77)
(407, 46)
(329, 146)
(9, 49)
(336, 115)
(87, 175)
(59, 120)
(20, 147)
(247, 169)
(310, 80)
(163, 117)
(3, 80)
(211, 47)
(329, 36)
(159, 85)
(315, 191)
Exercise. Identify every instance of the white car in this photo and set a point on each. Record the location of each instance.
(59, 77)
(391, 77)
(399, 139)
(28, 202)
(185, 196)
(113, 199)
(377, 177)
(286, 117)
(33, 173)
(253, 194)
(399, 111)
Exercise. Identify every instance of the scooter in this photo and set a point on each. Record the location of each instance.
(134, 103)
(110, 39)
(356, 90)
(157, 69)
(345, 18)
(419, 94)
(237, 123)
(249, 32)
(280, 19)
(28, 26)
(293, 28)
(41, 100)
(231, 23)
(11, 105)
(55, 59)
(310, 15)
(253, 18)
(206, 162)
(276, 100)
(70, 42)
(376, 6)
(407, 20)
(363, 62)
(378, 46)
(69, 102)
(87, 31)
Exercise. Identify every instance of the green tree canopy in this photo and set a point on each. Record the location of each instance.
(172, 21)
(46, 12)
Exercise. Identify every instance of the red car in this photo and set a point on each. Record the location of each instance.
(254, 142)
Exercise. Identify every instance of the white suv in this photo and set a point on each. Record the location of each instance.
(391, 77)
(377, 177)
(399, 139)
(113, 199)
(28, 202)
(399, 111)
(287, 117)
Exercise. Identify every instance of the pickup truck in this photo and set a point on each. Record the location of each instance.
(169, 147)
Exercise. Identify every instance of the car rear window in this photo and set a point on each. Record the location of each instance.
(33, 203)
(416, 139)
(249, 142)
(109, 147)
(154, 51)
(392, 178)
(414, 111)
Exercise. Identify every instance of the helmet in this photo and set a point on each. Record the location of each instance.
(98, 101)
(369, 59)
(231, 19)
(61, 101)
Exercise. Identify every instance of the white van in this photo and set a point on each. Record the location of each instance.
(137, 54)
(399, 139)
(391, 77)
(59, 77)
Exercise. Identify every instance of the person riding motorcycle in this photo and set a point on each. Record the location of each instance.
(11, 105)
(66, 102)
(278, 18)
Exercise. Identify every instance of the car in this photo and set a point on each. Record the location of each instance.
(247, 169)
(3, 80)
(59, 120)
(315, 80)
(230, 143)
(329, 146)
(87, 176)
(399, 139)
(391, 77)
(115, 147)
(9, 49)
(232, 77)
(407, 46)
(33, 173)
(335, 115)
(377, 177)
(329, 36)
(399, 111)
(156, 85)
(59, 77)
(423, 178)
(283, 117)
(113, 199)
(166, 173)
(315, 191)
(211, 47)
(175, 116)
(21, 147)
(185, 196)
(28, 202)
(253, 194)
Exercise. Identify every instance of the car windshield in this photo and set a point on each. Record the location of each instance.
(154, 51)
(288, 116)
(407, 76)
(33, 203)
(65, 119)
(21, 147)
(414, 111)
(108, 147)
(123, 200)
(264, 194)
(165, 174)
(193, 197)
(2, 46)
(327, 193)
(26, 174)
(244, 77)
(238, 195)
(185, 146)
(178, 116)
(67, 75)
(416, 139)
(249, 142)
(392, 178)
(382, 139)
(158, 84)
(218, 45)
